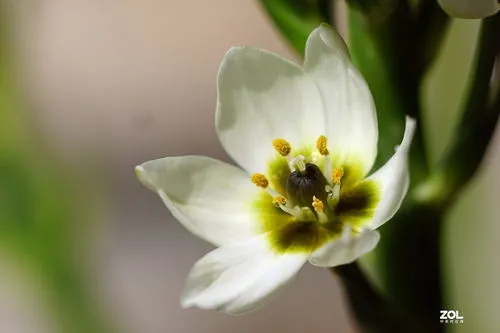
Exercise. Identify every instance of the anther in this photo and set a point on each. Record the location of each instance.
(279, 201)
(321, 144)
(260, 180)
(282, 146)
(337, 175)
(318, 205)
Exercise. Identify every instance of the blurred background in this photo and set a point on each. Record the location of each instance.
(105, 85)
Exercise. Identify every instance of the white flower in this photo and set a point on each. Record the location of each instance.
(305, 138)
(470, 9)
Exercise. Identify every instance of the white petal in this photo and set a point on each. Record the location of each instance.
(393, 179)
(346, 249)
(261, 97)
(239, 278)
(351, 120)
(470, 9)
(210, 198)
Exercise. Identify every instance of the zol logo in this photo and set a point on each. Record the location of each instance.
(451, 317)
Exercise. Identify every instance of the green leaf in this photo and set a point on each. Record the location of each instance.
(296, 19)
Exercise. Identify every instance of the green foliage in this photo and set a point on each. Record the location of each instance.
(296, 19)
(38, 207)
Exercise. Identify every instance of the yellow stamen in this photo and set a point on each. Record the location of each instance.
(260, 180)
(282, 146)
(321, 144)
(279, 200)
(337, 175)
(318, 205)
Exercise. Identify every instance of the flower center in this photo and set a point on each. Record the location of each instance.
(311, 192)
(309, 202)
(302, 186)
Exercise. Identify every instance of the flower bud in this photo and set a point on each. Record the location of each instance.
(470, 9)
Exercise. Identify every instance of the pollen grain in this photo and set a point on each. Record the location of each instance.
(321, 144)
(337, 175)
(318, 205)
(282, 146)
(279, 200)
(260, 180)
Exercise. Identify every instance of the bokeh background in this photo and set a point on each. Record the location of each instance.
(106, 85)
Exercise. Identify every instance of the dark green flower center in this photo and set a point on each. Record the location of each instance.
(303, 186)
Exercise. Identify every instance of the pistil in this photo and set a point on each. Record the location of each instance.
(297, 164)
(301, 187)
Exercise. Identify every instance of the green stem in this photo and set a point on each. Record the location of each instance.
(475, 131)
(408, 261)
(395, 88)
(431, 29)
(393, 55)
(325, 7)
(372, 312)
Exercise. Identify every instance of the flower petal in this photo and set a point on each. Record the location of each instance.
(351, 120)
(210, 198)
(346, 249)
(239, 278)
(261, 97)
(470, 9)
(393, 179)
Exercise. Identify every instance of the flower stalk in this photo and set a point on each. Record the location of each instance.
(372, 312)
(408, 258)
(476, 128)
(409, 255)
